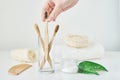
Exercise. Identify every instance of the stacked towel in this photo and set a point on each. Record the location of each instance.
(92, 51)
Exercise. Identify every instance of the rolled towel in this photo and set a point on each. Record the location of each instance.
(23, 55)
(92, 51)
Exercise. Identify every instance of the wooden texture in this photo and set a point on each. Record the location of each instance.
(17, 69)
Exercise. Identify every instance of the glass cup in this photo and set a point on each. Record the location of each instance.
(45, 64)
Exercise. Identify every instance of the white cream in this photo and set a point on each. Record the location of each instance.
(71, 69)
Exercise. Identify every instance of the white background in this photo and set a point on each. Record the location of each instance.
(98, 19)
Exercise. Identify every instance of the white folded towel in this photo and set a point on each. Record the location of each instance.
(92, 51)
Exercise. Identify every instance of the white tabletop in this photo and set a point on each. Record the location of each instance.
(111, 61)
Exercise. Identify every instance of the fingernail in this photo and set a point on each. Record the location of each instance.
(53, 19)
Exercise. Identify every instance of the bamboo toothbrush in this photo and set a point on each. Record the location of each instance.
(50, 44)
(46, 36)
(54, 34)
(39, 35)
(37, 29)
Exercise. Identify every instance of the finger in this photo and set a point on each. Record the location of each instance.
(46, 8)
(43, 12)
(55, 12)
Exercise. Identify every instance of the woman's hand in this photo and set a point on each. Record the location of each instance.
(55, 7)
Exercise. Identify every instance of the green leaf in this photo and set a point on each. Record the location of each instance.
(89, 67)
(87, 72)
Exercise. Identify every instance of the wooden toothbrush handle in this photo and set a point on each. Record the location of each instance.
(46, 40)
(44, 61)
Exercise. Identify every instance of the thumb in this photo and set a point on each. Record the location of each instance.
(55, 12)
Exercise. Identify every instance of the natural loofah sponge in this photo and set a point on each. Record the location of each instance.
(77, 41)
(24, 55)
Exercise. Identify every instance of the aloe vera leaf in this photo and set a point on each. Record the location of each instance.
(91, 66)
(87, 72)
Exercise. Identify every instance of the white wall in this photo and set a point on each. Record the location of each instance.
(96, 18)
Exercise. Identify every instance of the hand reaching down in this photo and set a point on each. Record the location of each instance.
(55, 7)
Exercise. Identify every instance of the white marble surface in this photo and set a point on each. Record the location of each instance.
(111, 61)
